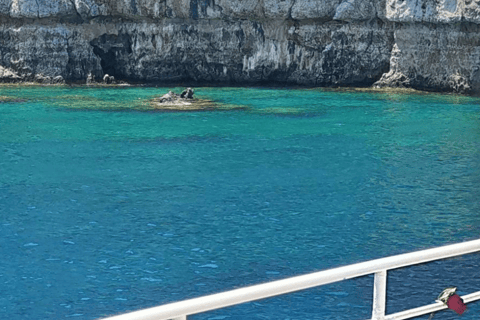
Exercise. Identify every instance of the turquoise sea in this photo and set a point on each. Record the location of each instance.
(106, 206)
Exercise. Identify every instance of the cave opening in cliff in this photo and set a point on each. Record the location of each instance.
(108, 62)
(114, 52)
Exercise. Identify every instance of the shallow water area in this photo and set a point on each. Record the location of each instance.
(106, 206)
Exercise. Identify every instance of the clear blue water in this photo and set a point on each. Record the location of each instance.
(105, 207)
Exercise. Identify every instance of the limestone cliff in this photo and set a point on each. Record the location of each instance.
(425, 44)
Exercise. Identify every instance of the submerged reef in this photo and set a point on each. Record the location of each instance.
(10, 99)
(116, 99)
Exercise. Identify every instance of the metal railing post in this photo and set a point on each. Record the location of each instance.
(379, 295)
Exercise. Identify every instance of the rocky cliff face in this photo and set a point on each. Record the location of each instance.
(425, 44)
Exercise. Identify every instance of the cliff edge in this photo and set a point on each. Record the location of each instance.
(422, 44)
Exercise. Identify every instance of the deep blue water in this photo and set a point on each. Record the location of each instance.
(106, 207)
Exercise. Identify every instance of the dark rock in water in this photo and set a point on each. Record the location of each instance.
(187, 94)
(173, 97)
(181, 102)
(107, 79)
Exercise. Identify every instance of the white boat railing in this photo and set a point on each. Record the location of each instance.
(180, 310)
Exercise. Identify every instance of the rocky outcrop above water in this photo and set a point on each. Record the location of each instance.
(182, 102)
(422, 44)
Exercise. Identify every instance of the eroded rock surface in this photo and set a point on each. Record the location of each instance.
(424, 44)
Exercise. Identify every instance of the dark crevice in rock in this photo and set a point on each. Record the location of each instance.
(108, 62)
(114, 53)
(259, 30)
(154, 41)
(133, 5)
(38, 9)
(69, 69)
(194, 9)
(289, 16)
